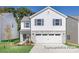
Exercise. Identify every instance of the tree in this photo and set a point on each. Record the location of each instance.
(18, 13)
(8, 10)
(21, 12)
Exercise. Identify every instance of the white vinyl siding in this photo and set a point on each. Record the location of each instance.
(48, 22)
(57, 22)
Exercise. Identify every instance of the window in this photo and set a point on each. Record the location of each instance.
(51, 34)
(57, 22)
(68, 37)
(27, 24)
(38, 34)
(57, 34)
(44, 34)
(39, 22)
(12, 25)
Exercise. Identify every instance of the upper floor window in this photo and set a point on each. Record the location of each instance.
(57, 22)
(39, 22)
(27, 24)
(12, 25)
(68, 37)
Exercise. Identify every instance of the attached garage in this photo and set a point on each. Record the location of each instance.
(49, 38)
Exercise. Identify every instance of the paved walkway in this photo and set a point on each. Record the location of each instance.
(38, 48)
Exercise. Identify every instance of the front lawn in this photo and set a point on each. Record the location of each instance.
(10, 46)
(15, 49)
(72, 44)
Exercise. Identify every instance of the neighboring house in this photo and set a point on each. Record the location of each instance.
(72, 29)
(49, 26)
(8, 26)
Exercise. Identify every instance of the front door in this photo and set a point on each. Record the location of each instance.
(24, 37)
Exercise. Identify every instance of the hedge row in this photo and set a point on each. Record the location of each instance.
(11, 40)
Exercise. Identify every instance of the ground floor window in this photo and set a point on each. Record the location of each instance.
(48, 34)
(51, 34)
(38, 34)
(68, 37)
(44, 34)
(57, 34)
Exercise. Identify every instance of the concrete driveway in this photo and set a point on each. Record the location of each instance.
(53, 48)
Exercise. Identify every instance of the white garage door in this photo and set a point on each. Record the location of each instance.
(48, 38)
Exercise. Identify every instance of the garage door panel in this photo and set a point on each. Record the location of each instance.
(56, 38)
(41, 39)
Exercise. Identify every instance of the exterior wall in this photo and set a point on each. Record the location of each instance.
(72, 30)
(8, 20)
(48, 17)
(22, 26)
(21, 37)
(78, 32)
(1, 27)
(14, 29)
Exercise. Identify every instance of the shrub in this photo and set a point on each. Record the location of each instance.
(11, 40)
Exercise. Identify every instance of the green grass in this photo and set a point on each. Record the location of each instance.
(9, 46)
(72, 44)
(11, 40)
(15, 49)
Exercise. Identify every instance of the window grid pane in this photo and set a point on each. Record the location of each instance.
(27, 24)
(39, 22)
(57, 22)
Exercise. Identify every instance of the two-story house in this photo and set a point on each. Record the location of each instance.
(45, 26)
(50, 26)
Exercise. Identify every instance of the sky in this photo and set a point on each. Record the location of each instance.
(67, 10)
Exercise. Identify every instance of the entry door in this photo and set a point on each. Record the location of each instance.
(24, 37)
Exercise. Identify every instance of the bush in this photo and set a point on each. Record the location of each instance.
(16, 41)
(11, 40)
(72, 44)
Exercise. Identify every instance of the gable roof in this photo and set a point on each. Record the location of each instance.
(46, 9)
(25, 18)
(74, 17)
